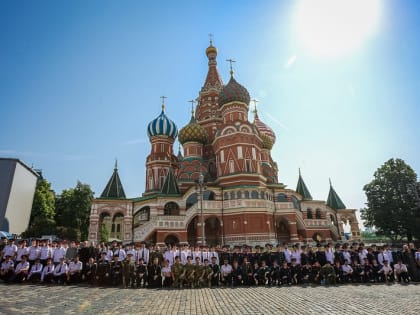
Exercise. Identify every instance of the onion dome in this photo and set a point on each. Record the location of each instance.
(192, 132)
(162, 126)
(233, 92)
(266, 133)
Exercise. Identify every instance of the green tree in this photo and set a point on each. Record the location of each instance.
(73, 210)
(104, 234)
(43, 211)
(391, 201)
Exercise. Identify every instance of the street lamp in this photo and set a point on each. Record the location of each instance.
(201, 186)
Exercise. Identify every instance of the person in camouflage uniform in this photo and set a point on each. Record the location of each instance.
(178, 274)
(128, 271)
(205, 275)
(189, 270)
(327, 273)
(198, 267)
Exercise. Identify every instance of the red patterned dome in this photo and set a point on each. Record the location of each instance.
(266, 133)
(233, 92)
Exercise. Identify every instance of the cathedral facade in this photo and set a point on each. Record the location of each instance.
(223, 188)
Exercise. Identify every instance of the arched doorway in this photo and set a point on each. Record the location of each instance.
(192, 231)
(213, 231)
(105, 223)
(171, 239)
(282, 230)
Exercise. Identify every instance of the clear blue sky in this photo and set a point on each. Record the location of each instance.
(80, 80)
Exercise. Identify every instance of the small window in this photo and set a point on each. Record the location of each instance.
(118, 228)
(248, 167)
(318, 214)
(222, 156)
(281, 198)
(309, 214)
(239, 152)
(232, 166)
(254, 154)
(246, 194)
(113, 228)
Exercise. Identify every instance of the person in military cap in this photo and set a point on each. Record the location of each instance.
(141, 273)
(236, 255)
(205, 276)
(155, 252)
(306, 273)
(103, 270)
(316, 268)
(263, 274)
(320, 255)
(268, 256)
(258, 254)
(327, 274)
(198, 266)
(224, 254)
(128, 271)
(178, 274)
(89, 271)
(215, 277)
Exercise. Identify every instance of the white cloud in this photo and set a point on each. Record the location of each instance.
(275, 120)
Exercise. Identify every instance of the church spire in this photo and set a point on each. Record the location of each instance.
(213, 79)
(334, 201)
(170, 186)
(114, 188)
(301, 188)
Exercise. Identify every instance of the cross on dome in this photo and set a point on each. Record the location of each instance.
(231, 61)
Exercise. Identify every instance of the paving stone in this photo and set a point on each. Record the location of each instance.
(346, 299)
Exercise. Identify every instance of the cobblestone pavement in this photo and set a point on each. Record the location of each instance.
(348, 299)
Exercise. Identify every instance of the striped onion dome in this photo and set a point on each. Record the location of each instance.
(266, 133)
(233, 92)
(162, 126)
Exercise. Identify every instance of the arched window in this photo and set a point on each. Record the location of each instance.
(309, 214)
(232, 195)
(246, 194)
(317, 214)
(117, 226)
(226, 196)
(254, 194)
(281, 198)
(191, 200)
(296, 202)
(171, 208)
(141, 216)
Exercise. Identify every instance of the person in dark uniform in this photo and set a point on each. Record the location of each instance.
(295, 271)
(316, 268)
(320, 255)
(285, 274)
(236, 274)
(224, 254)
(103, 271)
(215, 277)
(247, 274)
(89, 271)
(306, 273)
(267, 256)
(141, 274)
(128, 271)
(263, 274)
(116, 271)
(154, 274)
(236, 255)
(338, 255)
(338, 272)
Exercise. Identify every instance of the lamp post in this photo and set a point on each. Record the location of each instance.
(201, 187)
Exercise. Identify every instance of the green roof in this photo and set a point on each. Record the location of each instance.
(170, 186)
(114, 188)
(334, 201)
(302, 190)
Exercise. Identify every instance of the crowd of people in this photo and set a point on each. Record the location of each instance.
(140, 266)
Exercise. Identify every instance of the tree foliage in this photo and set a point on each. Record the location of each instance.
(104, 234)
(391, 200)
(43, 211)
(73, 210)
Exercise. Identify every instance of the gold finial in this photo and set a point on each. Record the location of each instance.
(163, 102)
(211, 39)
(192, 107)
(231, 66)
(255, 101)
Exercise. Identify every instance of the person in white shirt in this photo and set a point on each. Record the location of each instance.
(213, 253)
(34, 252)
(7, 269)
(60, 272)
(143, 253)
(386, 272)
(35, 272)
(120, 252)
(347, 272)
(329, 254)
(226, 273)
(59, 252)
(22, 250)
(169, 256)
(75, 270)
(401, 271)
(197, 253)
(10, 249)
(22, 270)
(185, 253)
(47, 275)
(45, 253)
(287, 253)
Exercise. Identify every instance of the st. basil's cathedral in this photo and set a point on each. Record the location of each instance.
(225, 182)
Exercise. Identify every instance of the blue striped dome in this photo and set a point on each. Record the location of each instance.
(162, 126)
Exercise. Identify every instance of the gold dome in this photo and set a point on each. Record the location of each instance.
(211, 50)
(192, 132)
